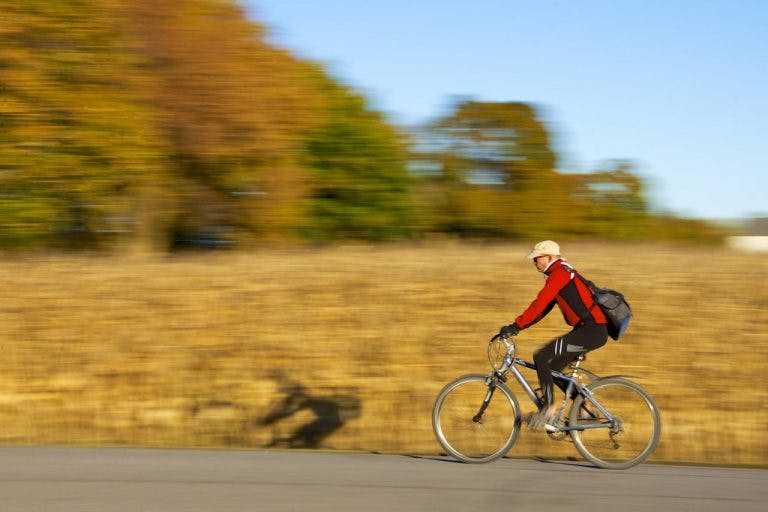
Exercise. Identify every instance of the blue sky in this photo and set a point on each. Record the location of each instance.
(680, 87)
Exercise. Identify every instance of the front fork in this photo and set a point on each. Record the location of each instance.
(490, 381)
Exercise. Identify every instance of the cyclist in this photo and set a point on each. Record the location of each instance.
(575, 301)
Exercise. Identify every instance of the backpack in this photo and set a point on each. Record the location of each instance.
(613, 305)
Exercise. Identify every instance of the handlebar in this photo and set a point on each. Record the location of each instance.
(501, 352)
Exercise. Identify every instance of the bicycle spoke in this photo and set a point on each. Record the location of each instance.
(630, 435)
(467, 430)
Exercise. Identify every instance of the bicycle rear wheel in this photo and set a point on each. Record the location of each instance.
(635, 431)
(469, 432)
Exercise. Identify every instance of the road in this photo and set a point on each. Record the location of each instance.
(116, 480)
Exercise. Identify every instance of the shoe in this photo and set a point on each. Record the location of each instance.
(539, 421)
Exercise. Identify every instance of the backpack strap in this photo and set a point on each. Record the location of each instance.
(591, 287)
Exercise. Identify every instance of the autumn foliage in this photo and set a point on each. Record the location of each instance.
(175, 123)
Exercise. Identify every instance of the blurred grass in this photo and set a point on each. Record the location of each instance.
(183, 350)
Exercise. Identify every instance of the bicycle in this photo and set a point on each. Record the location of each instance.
(613, 422)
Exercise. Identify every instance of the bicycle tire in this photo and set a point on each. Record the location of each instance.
(631, 442)
(454, 425)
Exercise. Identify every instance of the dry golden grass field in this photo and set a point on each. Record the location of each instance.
(196, 350)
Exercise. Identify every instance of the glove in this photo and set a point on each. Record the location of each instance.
(509, 330)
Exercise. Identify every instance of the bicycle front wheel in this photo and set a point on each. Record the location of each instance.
(475, 422)
(629, 438)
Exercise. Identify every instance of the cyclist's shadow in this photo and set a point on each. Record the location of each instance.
(330, 414)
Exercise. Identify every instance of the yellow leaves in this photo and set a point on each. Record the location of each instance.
(222, 91)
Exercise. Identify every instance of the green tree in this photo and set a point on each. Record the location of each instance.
(489, 170)
(359, 184)
(498, 174)
(614, 201)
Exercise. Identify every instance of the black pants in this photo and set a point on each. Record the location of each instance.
(564, 349)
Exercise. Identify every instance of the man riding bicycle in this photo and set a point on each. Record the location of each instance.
(565, 288)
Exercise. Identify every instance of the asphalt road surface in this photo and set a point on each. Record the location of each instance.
(111, 480)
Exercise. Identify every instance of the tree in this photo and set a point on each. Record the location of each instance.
(499, 144)
(75, 135)
(232, 109)
(613, 201)
(359, 184)
(497, 170)
(165, 119)
(615, 185)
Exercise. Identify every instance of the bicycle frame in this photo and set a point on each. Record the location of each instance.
(511, 364)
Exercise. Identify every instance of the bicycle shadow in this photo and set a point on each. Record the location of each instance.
(437, 458)
(567, 462)
(328, 413)
(447, 458)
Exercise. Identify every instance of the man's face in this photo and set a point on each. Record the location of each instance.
(541, 262)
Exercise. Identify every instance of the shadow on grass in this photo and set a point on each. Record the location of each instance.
(330, 414)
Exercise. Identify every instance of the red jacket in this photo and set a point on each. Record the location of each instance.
(564, 288)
